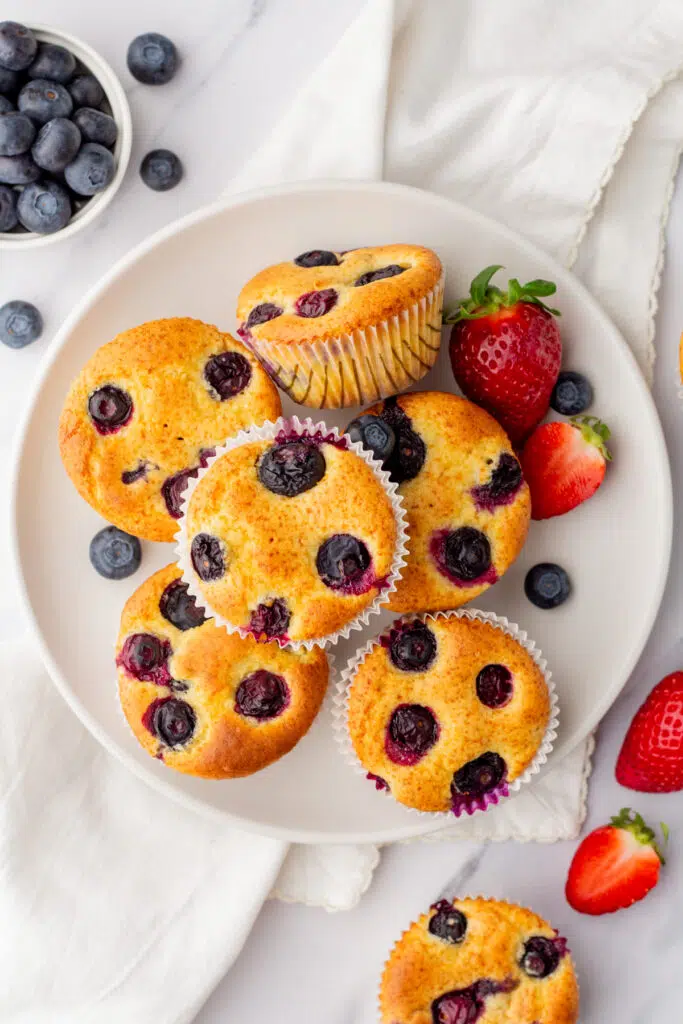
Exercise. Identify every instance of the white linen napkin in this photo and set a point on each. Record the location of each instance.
(118, 905)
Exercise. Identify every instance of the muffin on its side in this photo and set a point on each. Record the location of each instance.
(204, 701)
(446, 712)
(145, 412)
(467, 503)
(289, 538)
(479, 960)
(335, 329)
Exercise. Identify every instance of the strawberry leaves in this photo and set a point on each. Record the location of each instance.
(631, 821)
(486, 298)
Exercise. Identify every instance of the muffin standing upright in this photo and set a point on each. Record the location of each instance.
(335, 329)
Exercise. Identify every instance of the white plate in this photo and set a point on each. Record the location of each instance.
(616, 547)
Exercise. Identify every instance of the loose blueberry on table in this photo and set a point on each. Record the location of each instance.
(572, 394)
(152, 59)
(547, 585)
(20, 324)
(161, 170)
(115, 554)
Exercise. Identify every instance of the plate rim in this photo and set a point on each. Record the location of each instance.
(419, 827)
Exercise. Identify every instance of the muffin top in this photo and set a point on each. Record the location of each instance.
(290, 539)
(322, 294)
(205, 701)
(467, 504)
(445, 712)
(479, 960)
(144, 412)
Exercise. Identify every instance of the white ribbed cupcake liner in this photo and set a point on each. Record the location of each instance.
(361, 367)
(301, 428)
(340, 709)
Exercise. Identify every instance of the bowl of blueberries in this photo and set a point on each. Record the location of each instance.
(65, 135)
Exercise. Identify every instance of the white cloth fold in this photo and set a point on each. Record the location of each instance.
(118, 905)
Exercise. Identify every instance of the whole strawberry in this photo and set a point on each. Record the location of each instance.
(615, 866)
(506, 351)
(564, 464)
(651, 758)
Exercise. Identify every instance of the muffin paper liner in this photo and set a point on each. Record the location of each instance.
(340, 712)
(299, 428)
(361, 367)
(467, 896)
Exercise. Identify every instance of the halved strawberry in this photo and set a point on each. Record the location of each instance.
(651, 758)
(506, 350)
(564, 464)
(615, 866)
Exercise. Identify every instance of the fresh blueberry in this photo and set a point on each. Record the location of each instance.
(261, 695)
(115, 554)
(262, 314)
(412, 646)
(152, 59)
(6, 106)
(86, 91)
(317, 258)
(174, 487)
(95, 126)
(572, 394)
(378, 275)
(342, 563)
(291, 468)
(44, 207)
(270, 620)
(448, 923)
(161, 170)
(173, 721)
(409, 453)
(479, 776)
(9, 82)
(91, 171)
(179, 607)
(53, 62)
(17, 132)
(18, 46)
(374, 434)
(20, 324)
(18, 170)
(227, 373)
(110, 408)
(541, 957)
(463, 554)
(494, 686)
(42, 100)
(315, 304)
(145, 657)
(413, 730)
(207, 557)
(547, 585)
(57, 144)
(8, 208)
(503, 484)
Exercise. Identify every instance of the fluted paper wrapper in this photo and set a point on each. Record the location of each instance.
(298, 428)
(361, 367)
(340, 711)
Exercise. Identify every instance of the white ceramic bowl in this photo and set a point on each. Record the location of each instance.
(116, 97)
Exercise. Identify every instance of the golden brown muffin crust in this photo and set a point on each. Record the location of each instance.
(422, 967)
(212, 663)
(271, 542)
(355, 308)
(467, 727)
(176, 415)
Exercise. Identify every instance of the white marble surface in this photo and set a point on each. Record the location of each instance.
(242, 64)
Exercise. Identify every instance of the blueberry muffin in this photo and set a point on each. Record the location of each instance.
(446, 712)
(146, 410)
(290, 538)
(335, 329)
(467, 504)
(483, 961)
(204, 701)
